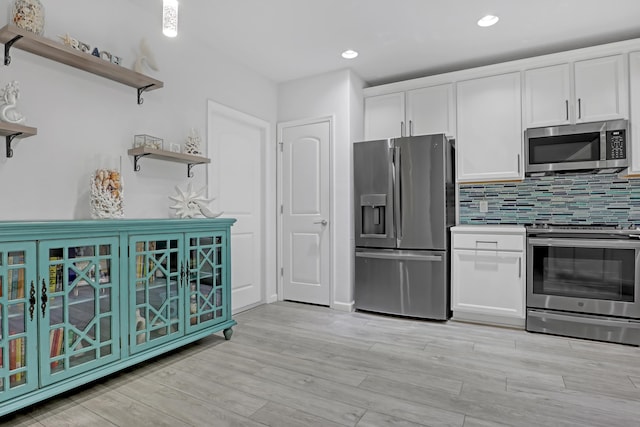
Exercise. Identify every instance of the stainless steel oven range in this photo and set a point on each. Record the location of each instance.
(584, 282)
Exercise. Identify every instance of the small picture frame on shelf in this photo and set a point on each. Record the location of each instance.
(175, 148)
(147, 141)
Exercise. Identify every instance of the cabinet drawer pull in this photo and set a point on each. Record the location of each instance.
(44, 298)
(32, 299)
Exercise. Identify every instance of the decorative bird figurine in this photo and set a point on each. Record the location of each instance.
(144, 57)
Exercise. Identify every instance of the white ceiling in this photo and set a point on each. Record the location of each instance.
(398, 39)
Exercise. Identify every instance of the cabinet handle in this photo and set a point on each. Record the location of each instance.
(401, 128)
(566, 107)
(44, 298)
(518, 160)
(183, 276)
(579, 108)
(519, 268)
(32, 299)
(410, 127)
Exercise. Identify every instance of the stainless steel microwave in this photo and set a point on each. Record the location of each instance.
(595, 146)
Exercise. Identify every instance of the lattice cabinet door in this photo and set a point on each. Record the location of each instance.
(18, 321)
(77, 306)
(208, 301)
(156, 269)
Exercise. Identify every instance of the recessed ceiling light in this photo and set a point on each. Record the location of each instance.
(487, 21)
(349, 54)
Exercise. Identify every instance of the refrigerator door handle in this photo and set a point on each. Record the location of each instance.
(397, 192)
(407, 257)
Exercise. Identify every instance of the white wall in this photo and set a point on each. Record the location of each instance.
(337, 94)
(86, 121)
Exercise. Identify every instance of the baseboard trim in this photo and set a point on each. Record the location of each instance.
(343, 306)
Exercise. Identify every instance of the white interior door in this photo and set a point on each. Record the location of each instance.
(306, 218)
(237, 143)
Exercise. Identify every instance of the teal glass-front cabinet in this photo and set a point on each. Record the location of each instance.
(78, 306)
(206, 275)
(18, 322)
(80, 300)
(156, 266)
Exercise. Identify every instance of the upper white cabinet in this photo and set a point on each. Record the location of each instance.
(547, 92)
(597, 92)
(601, 89)
(421, 111)
(384, 116)
(489, 142)
(634, 120)
(431, 110)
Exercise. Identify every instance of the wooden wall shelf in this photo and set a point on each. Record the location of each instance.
(10, 35)
(13, 130)
(189, 159)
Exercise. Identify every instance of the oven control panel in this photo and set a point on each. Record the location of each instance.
(616, 144)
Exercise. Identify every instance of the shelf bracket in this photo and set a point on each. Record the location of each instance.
(7, 47)
(136, 166)
(10, 138)
(140, 90)
(189, 167)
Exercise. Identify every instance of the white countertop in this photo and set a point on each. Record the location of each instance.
(489, 228)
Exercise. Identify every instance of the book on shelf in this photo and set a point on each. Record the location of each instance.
(55, 275)
(56, 338)
(17, 357)
(15, 279)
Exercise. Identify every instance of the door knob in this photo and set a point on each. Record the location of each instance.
(322, 222)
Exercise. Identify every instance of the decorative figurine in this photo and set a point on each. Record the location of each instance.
(144, 58)
(192, 145)
(191, 203)
(8, 112)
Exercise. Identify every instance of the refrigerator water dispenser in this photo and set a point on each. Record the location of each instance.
(373, 209)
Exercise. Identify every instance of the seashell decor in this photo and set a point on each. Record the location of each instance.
(106, 194)
(29, 15)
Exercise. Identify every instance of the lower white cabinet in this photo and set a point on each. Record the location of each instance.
(488, 274)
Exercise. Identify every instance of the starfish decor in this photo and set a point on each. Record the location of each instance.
(192, 203)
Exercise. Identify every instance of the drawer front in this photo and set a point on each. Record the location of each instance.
(491, 242)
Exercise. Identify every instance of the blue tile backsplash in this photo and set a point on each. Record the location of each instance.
(560, 199)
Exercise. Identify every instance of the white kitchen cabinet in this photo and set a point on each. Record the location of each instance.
(600, 89)
(423, 111)
(488, 274)
(547, 92)
(634, 119)
(596, 92)
(431, 110)
(489, 140)
(384, 116)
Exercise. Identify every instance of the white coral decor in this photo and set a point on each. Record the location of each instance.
(106, 194)
(192, 144)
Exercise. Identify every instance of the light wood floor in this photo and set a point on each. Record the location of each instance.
(299, 365)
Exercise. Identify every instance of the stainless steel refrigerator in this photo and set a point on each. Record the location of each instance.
(403, 208)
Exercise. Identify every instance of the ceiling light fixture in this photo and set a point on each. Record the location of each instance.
(170, 18)
(488, 20)
(349, 54)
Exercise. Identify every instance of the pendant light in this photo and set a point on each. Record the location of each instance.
(170, 18)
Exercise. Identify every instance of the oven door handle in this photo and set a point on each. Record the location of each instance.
(584, 243)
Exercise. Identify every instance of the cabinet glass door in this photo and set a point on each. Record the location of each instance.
(156, 266)
(18, 322)
(207, 272)
(78, 306)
